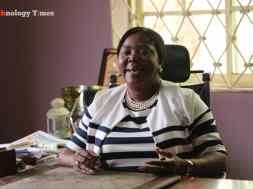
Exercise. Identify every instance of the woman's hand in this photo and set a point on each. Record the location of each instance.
(86, 162)
(169, 164)
(212, 164)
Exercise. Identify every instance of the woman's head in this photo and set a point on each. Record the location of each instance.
(141, 52)
(152, 37)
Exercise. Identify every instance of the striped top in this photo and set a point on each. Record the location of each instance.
(130, 144)
(133, 140)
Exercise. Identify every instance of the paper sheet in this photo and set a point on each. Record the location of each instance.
(39, 139)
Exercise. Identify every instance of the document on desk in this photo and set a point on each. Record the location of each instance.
(65, 178)
(40, 139)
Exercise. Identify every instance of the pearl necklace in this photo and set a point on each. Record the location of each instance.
(141, 105)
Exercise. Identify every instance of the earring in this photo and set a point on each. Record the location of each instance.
(160, 69)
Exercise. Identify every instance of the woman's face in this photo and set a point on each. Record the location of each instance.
(138, 61)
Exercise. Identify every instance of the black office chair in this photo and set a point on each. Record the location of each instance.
(176, 69)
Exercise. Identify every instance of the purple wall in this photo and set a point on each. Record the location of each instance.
(233, 112)
(40, 55)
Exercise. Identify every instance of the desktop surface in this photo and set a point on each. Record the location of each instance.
(53, 177)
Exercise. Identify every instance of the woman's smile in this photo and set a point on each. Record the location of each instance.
(134, 70)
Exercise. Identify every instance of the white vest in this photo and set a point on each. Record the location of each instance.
(175, 107)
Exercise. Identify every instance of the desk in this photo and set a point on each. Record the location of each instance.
(57, 177)
(203, 183)
(65, 178)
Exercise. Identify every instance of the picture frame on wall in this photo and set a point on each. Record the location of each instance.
(109, 69)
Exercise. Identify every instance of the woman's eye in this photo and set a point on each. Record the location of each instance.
(145, 51)
(125, 52)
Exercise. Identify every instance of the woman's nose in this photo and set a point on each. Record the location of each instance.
(134, 55)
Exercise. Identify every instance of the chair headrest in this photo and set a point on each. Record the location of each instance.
(177, 65)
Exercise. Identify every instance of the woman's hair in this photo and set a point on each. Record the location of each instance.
(151, 36)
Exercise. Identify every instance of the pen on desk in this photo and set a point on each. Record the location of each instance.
(72, 112)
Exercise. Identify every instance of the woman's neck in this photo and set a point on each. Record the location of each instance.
(142, 93)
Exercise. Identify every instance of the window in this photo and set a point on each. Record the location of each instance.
(217, 33)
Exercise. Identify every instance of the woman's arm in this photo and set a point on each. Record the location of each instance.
(212, 164)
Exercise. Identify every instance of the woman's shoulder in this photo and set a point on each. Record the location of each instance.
(105, 97)
(106, 94)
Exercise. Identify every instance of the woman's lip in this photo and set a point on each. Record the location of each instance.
(133, 70)
(134, 73)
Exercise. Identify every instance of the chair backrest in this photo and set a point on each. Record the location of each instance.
(176, 69)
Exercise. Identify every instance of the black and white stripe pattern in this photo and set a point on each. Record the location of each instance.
(133, 140)
(130, 144)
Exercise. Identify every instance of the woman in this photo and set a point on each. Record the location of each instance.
(146, 124)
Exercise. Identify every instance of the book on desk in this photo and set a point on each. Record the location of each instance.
(29, 150)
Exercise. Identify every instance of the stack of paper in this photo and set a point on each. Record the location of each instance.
(38, 139)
